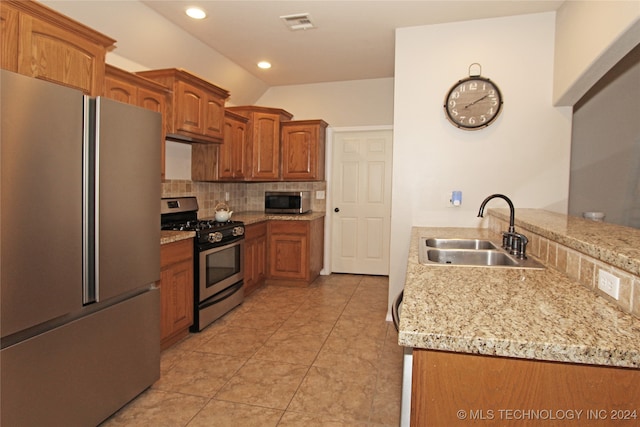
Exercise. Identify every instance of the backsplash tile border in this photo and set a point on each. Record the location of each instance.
(578, 266)
(243, 196)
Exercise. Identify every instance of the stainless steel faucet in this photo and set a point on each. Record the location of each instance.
(515, 243)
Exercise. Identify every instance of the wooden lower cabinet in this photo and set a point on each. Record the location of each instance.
(255, 256)
(455, 389)
(295, 251)
(176, 291)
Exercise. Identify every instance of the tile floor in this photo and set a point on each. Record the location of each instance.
(316, 356)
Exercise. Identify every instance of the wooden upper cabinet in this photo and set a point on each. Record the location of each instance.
(132, 89)
(197, 106)
(9, 33)
(226, 161)
(303, 150)
(39, 42)
(232, 155)
(263, 136)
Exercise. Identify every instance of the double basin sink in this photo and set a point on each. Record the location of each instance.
(469, 252)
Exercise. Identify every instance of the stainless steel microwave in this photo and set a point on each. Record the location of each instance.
(287, 202)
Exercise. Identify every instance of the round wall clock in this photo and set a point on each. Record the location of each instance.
(473, 103)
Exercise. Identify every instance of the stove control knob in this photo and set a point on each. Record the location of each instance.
(214, 237)
(238, 231)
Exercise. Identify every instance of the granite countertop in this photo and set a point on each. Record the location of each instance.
(170, 236)
(252, 217)
(610, 243)
(249, 217)
(521, 313)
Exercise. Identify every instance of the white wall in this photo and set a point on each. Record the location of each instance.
(524, 154)
(347, 103)
(591, 37)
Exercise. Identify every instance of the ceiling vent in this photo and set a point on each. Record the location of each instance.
(299, 21)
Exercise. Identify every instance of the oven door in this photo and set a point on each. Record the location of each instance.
(219, 268)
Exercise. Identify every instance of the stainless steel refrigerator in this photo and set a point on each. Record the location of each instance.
(80, 254)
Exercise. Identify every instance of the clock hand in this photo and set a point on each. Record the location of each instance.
(476, 101)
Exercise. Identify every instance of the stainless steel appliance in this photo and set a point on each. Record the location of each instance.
(80, 245)
(287, 202)
(218, 262)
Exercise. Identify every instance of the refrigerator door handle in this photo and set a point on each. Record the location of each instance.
(89, 285)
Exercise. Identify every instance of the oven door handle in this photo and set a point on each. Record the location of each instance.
(222, 295)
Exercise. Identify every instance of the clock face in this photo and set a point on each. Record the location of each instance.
(473, 103)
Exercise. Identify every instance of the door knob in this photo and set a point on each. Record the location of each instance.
(336, 210)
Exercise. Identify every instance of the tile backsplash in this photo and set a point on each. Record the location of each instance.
(243, 196)
(579, 266)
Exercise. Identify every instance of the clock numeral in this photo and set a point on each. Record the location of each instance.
(473, 86)
(452, 103)
(472, 120)
(454, 112)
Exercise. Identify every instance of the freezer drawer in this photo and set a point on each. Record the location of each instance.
(82, 372)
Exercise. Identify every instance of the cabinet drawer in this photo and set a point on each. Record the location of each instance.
(289, 227)
(253, 231)
(175, 252)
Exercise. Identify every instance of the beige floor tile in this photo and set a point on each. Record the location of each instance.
(336, 392)
(252, 366)
(356, 346)
(157, 408)
(260, 318)
(308, 326)
(200, 374)
(229, 414)
(291, 347)
(295, 419)
(264, 383)
(236, 341)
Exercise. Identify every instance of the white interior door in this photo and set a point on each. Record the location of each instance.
(361, 201)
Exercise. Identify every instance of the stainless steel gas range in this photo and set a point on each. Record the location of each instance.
(218, 262)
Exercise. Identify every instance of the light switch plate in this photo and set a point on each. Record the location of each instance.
(609, 284)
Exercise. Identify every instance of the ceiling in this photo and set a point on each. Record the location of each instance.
(353, 40)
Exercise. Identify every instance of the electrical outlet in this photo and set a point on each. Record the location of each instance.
(609, 284)
(320, 195)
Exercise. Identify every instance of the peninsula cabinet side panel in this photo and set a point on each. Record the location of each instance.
(455, 389)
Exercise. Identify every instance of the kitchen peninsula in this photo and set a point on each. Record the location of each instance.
(487, 339)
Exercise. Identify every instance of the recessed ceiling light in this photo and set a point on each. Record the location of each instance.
(196, 13)
(264, 65)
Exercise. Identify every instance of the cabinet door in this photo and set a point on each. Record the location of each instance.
(226, 152)
(255, 259)
(9, 35)
(176, 291)
(289, 250)
(151, 100)
(265, 146)
(232, 154)
(120, 90)
(52, 53)
(176, 295)
(189, 113)
(214, 117)
(303, 146)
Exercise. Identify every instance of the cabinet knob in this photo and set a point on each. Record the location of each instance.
(336, 210)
